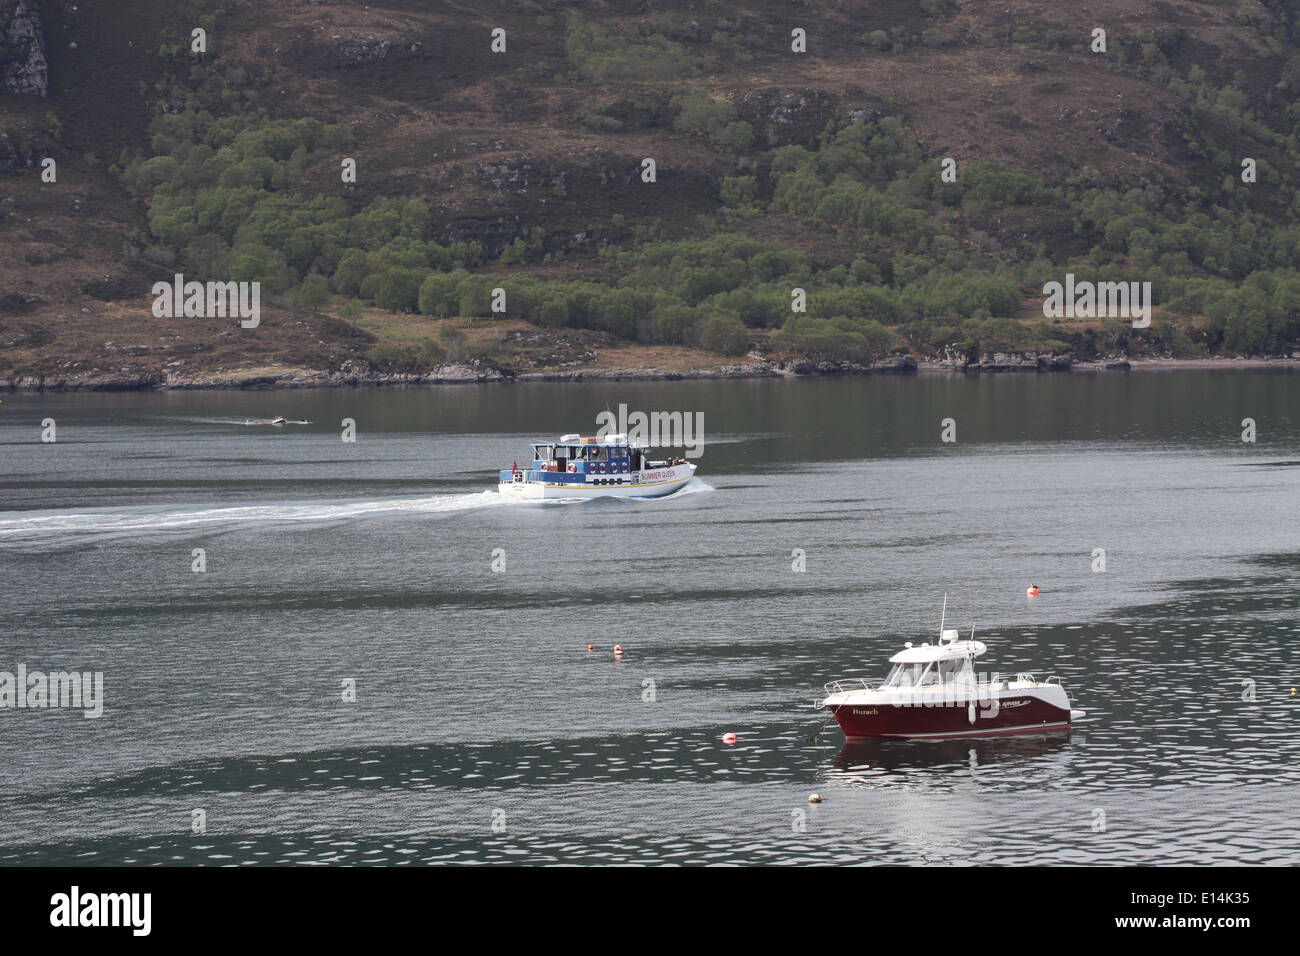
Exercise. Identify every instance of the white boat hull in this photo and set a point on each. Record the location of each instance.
(651, 483)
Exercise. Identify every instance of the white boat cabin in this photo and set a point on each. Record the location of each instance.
(949, 662)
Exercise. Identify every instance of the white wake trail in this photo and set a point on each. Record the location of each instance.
(66, 527)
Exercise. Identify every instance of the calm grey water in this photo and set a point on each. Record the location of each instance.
(483, 730)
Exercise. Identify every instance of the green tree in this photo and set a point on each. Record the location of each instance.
(399, 290)
(725, 334)
(438, 294)
(314, 291)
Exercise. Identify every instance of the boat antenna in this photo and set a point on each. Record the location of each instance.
(943, 616)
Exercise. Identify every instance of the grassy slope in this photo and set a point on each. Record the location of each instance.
(484, 138)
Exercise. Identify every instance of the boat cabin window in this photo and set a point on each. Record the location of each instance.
(543, 453)
(950, 671)
(927, 673)
(905, 675)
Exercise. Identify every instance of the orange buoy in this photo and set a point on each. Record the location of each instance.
(728, 738)
(618, 648)
(814, 798)
(590, 648)
(1031, 590)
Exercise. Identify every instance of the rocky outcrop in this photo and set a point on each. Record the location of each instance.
(893, 365)
(1007, 362)
(785, 116)
(22, 49)
(652, 374)
(1022, 362)
(15, 154)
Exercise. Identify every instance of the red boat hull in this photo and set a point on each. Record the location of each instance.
(1015, 715)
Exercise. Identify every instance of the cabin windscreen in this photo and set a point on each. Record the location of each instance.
(904, 675)
(925, 673)
(958, 670)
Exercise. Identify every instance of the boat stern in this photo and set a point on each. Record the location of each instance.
(513, 485)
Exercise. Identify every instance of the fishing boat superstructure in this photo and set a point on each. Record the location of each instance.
(575, 466)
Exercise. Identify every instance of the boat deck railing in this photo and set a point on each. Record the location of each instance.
(853, 684)
(1061, 684)
(1026, 678)
(1000, 680)
(848, 685)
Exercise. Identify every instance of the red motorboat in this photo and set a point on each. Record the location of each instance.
(934, 691)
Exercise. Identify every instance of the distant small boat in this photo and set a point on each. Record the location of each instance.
(280, 420)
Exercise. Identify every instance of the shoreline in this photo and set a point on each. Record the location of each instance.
(292, 378)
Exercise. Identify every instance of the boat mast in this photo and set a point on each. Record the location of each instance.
(944, 615)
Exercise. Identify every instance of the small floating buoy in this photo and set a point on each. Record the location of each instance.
(814, 798)
(590, 648)
(1031, 590)
(618, 648)
(728, 738)
(1292, 691)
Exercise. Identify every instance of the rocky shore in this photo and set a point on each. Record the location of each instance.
(357, 374)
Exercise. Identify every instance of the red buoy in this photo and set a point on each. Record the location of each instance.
(590, 648)
(618, 648)
(728, 738)
(1031, 590)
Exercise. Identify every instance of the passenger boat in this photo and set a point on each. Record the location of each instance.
(933, 691)
(582, 467)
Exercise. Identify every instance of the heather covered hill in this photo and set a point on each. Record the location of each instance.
(523, 169)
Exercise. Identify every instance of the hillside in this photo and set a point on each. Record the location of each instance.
(521, 170)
